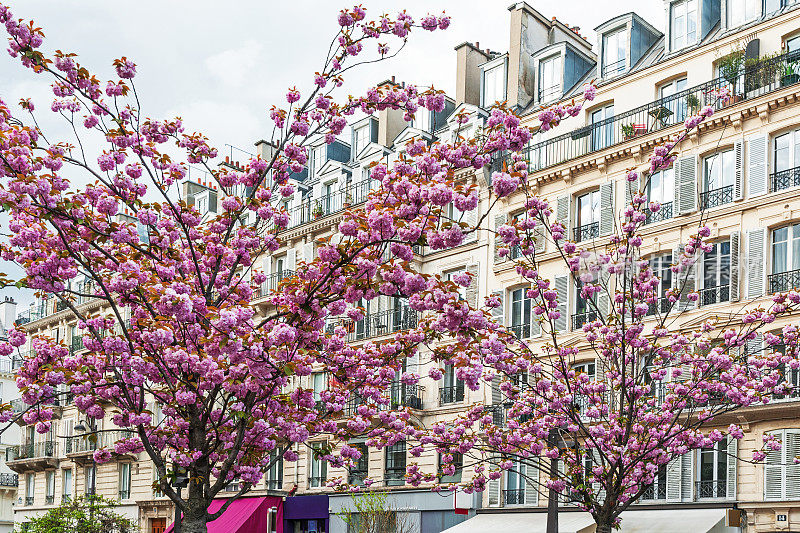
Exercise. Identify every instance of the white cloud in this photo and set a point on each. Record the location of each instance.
(233, 67)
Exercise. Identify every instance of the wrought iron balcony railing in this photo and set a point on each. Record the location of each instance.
(716, 197)
(659, 306)
(451, 394)
(579, 319)
(28, 501)
(273, 280)
(357, 477)
(784, 281)
(498, 414)
(375, 324)
(514, 496)
(394, 476)
(30, 315)
(9, 480)
(711, 489)
(406, 395)
(784, 179)
(317, 481)
(655, 492)
(586, 232)
(308, 210)
(274, 484)
(49, 499)
(714, 295)
(31, 451)
(660, 114)
(665, 213)
(76, 344)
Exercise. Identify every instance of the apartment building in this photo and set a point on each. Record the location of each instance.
(739, 173)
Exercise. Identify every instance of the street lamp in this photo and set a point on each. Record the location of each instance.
(554, 439)
(180, 481)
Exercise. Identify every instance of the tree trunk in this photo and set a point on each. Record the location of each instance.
(603, 528)
(194, 524)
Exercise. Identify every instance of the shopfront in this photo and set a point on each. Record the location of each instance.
(306, 514)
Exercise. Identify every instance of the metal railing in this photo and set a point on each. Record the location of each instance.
(713, 295)
(273, 280)
(76, 344)
(451, 394)
(711, 489)
(658, 306)
(28, 500)
(655, 493)
(317, 481)
(31, 451)
(274, 484)
(514, 496)
(498, 413)
(665, 213)
(716, 197)
(784, 179)
(375, 324)
(579, 319)
(11, 364)
(587, 231)
(783, 281)
(406, 395)
(313, 209)
(9, 480)
(614, 68)
(357, 477)
(522, 331)
(659, 114)
(50, 499)
(395, 476)
(30, 315)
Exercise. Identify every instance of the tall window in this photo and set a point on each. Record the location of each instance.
(66, 485)
(786, 161)
(451, 275)
(603, 127)
(581, 400)
(360, 139)
(319, 383)
(675, 106)
(785, 259)
(615, 49)
(793, 44)
(658, 489)
(422, 120)
(661, 189)
(50, 487)
(452, 388)
(453, 468)
(741, 11)
(124, 481)
(683, 23)
(319, 466)
(514, 493)
(719, 177)
(396, 464)
(661, 265)
(274, 475)
(550, 78)
(30, 488)
(318, 156)
(712, 473)
(89, 480)
(521, 313)
(327, 199)
(494, 85)
(360, 470)
(780, 471)
(588, 216)
(716, 274)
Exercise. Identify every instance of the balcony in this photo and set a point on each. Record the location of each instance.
(317, 481)
(498, 413)
(784, 179)
(714, 295)
(81, 448)
(271, 283)
(76, 344)
(404, 395)
(32, 456)
(783, 281)
(612, 69)
(9, 480)
(708, 489)
(28, 501)
(579, 319)
(716, 197)
(657, 115)
(658, 307)
(30, 315)
(587, 231)
(18, 406)
(514, 496)
(522, 331)
(665, 213)
(451, 394)
(375, 324)
(50, 499)
(655, 493)
(353, 194)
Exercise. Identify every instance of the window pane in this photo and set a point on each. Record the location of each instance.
(782, 153)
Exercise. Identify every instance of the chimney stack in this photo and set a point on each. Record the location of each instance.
(8, 312)
(468, 73)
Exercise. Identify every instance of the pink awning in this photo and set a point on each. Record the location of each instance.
(245, 515)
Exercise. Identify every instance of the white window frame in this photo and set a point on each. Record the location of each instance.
(66, 484)
(743, 11)
(717, 264)
(602, 135)
(791, 259)
(124, 480)
(521, 311)
(318, 155)
(716, 163)
(792, 148)
(682, 9)
(493, 84)
(319, 383)
(550, 70)
(361, 138)
(678, 106)
(318, 467)
(664, 191)
(593, 211)
(612, 41)
(719, 451)
(450, 276)
(784, 466)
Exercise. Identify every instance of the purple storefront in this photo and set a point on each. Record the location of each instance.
(305, 514)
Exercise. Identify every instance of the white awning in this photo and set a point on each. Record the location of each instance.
(645, 521)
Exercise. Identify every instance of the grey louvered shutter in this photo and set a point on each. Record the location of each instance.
(563, 211)
(597, 488)
(493, 486)
(539, 238)
(792, 480)
(756, 244)
(733, 292)
(562, 287)
(499, 220)
(291, 259)
(471, 219)
(607, 208)
(472, 290)
(755, 345)
(733, 458)
(774, 473)
(497, 392)
(674, 480)
(308, 252)
(631, 189)
(498, 313)
(686, 185)
(684, 281)
(738, 184)
(604, 296)
(687, 476)
(757, 170)
(531, 485)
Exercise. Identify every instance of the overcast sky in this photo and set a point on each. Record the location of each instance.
(221, 65)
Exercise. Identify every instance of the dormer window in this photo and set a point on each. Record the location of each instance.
(683, 24)
(615, 48)
(741, 11)
(550, 78)
(422, 120)
(318, 156)
(494, 84)
(360, 139)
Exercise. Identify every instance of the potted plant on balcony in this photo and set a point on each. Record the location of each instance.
(628, 131)
(693, 103)
(317, 211)
(730, 68)
(348, 200)
(790, 75)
